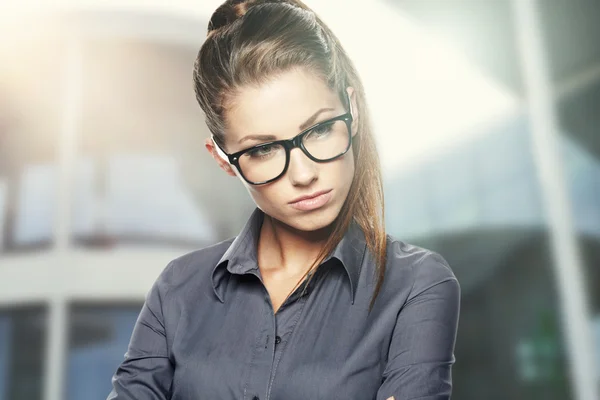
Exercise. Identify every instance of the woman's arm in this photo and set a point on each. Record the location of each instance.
(421, 352)
(146, 373)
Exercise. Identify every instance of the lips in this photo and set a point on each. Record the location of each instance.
(313, 201)
(310, 196)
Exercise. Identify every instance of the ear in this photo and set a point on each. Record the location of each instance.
(355, 114)
(223, 164)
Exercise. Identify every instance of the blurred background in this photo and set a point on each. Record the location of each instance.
(104, 178)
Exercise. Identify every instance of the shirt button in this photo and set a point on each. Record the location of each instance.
(277, 339)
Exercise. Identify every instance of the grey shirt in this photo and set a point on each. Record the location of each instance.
(207, 330)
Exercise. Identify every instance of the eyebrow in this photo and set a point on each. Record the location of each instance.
(310, 121)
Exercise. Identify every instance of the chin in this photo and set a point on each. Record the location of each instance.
(314, 220)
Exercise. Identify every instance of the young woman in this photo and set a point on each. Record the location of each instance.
(312, 300)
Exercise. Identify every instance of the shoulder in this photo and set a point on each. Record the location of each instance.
(192, 267)
(417, 266)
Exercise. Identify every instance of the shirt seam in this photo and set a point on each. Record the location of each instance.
(414, 276)
(408, 298)
(449, 362)
(162, 298)
(360, 267)
(441, 260)
(438, 259)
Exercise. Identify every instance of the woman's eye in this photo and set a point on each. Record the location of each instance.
(320, 130)
(262, 151)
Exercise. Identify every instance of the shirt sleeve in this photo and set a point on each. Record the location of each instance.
(146, 373)
(421, 351)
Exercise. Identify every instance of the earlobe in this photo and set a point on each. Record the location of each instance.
(230, 170)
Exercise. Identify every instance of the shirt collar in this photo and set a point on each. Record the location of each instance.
(241, 256)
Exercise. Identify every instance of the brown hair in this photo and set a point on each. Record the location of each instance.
(250, 41)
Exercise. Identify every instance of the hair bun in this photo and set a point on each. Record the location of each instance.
(231, 10)
(225, 14)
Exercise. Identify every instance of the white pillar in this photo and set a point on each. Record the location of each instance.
(68, 143)
(57, 346)
(56, 350)
(569, 274)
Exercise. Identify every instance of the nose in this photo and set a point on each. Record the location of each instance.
(302, 171)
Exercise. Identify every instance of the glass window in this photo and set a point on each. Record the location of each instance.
(98, 339)
(22, 352)
(514, 203)
(503, 153)
(408, 211)
(34, 221)
(31, 89)
(453, 190)
(582, 172)
(144, 175)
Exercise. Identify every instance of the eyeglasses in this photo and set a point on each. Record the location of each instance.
(322, 142)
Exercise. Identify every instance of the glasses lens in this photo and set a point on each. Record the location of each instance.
(263, 163)
(324, 142)
(328, 140)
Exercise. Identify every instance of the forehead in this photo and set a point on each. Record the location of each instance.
(279, 106)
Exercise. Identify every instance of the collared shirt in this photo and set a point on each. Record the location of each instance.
(207, 329)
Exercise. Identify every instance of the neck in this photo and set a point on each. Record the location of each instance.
(284, 249)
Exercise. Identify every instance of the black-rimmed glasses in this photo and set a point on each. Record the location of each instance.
(322, 142)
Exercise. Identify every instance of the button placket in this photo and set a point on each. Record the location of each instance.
(261, 364)
(279, 349)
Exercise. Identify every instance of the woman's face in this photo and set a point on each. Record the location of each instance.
(282, 108)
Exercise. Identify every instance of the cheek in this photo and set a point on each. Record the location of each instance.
(346, 172)
(267, 196)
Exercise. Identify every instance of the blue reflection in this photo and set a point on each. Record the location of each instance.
(92, 364)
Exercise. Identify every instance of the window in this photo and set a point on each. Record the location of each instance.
(98, 339)
(22, 352)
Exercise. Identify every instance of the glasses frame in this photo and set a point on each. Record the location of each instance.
(290, 144)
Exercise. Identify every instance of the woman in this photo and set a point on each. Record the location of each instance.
(312, 300)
